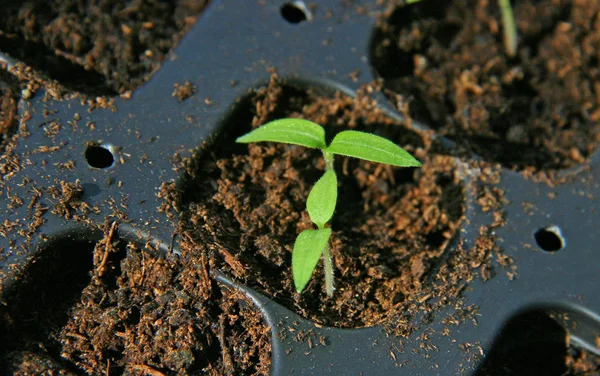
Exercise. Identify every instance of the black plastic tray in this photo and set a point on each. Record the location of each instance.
(238, 40)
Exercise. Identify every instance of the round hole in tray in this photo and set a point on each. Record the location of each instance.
(550, 239)
(99, 156)
(295, 12)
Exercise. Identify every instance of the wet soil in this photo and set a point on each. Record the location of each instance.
(539, 109)
(114, 308)
(245, 204)
(99, 48)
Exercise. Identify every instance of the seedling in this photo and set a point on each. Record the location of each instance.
(311, 244)
(508, 20)
(510, 30)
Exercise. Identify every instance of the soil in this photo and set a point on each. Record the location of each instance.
(8, 105)
(183, 91)
(104, 47)
(582, 363)
(540, 109)
(138, 314)
(245, 204)
(116, 308)
(112, 308)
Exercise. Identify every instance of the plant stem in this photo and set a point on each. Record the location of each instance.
(328, 267)
(328, 160)
(327, 263)
(510, 30)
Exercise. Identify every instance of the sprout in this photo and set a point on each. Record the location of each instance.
(508, 20)
(322, 199)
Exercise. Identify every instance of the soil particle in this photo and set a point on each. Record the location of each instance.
(245, 204)
(183, 91)
(540, 109)
(68, 198)
(99, 48)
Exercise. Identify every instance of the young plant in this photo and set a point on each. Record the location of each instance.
(322, 198)
(510, 30)
(508, 21)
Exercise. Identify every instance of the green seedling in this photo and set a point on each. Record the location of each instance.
(510, 30)
(508, 21)
(322, 198)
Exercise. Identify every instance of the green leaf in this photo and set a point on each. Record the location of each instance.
(371, 148)
(307, 251)
(322, 198)
(289, 131)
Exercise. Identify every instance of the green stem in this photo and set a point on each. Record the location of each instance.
(327, 262)
(328, 267)
(510, 30)
(328, 160)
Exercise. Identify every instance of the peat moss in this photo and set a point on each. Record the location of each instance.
(540, 109)
(245, 204)
(119, 309)
(99, 48)
(8, 106)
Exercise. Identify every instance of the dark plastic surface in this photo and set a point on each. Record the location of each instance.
(238, 40)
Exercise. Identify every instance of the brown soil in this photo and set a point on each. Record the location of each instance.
(245, 205)
(183, 91)
(582, 363)
(139, 314)
(102, 47)
(117, 308)
(8, 105)
(540, 109)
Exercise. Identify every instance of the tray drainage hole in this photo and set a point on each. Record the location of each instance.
(550, 239)
(295, 12)
(98, 156)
